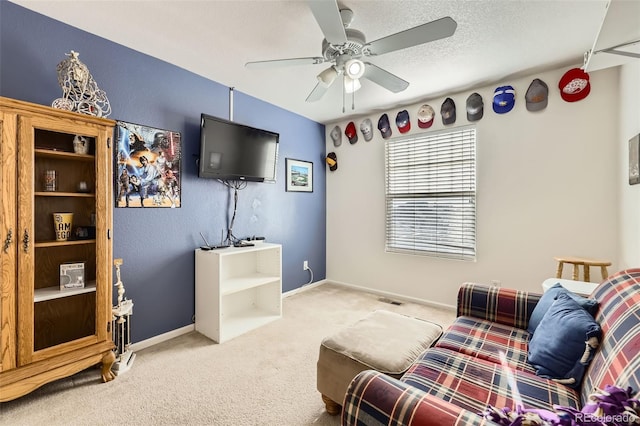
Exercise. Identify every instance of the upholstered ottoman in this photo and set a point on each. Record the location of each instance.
(384, 341)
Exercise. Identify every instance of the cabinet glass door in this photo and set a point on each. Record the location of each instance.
(59, 171)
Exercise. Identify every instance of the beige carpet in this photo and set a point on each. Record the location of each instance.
(264, 377)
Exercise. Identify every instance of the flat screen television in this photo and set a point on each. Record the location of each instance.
(233, 151)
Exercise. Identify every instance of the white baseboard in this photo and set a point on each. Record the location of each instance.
(189, 328)
(303, 288)
(162, 337)
(396, 296)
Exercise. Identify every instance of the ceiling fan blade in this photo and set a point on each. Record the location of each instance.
(317, 92)
(384, 78)
(328, 17)
(284, 62)
(431, 31)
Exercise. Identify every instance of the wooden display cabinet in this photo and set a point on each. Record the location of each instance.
(47, 333)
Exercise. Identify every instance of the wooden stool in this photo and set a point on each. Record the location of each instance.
(586, 264)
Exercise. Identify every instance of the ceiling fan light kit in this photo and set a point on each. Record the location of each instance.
(351, 85)
(354, 68)
(345, 47)
(327, 76)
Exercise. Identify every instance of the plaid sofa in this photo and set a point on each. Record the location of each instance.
(461, 375)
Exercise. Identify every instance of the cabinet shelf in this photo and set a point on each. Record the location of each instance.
(50, 293)
(235, 285)
(64, 243)
(53, 153)
(64, 194)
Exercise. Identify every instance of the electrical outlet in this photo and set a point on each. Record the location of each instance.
(305, 265)
(496, 283)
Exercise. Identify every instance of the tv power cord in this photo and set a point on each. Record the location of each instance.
(311, 278)
(236, 185)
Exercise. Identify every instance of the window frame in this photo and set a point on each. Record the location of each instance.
(444, 202)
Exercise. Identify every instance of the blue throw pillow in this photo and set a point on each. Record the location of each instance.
(564, 343)
(547, 300)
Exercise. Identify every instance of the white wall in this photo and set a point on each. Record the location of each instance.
(548, 185)
(629, 107)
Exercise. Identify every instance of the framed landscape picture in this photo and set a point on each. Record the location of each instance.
(147, 166)
(634, 160)
(299, 175)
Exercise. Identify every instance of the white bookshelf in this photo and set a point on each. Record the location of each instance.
(238, 289)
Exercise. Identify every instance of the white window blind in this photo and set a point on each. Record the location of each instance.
(431, 194)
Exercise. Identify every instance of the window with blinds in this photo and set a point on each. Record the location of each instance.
(431, 194)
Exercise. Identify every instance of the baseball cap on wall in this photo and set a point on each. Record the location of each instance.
(504, 99)
(351, 133)
(537, 95)
(384, 126)
(336, 136)
(475, 107)
(332, 161)
(448, 111)
(367, 129)
(574, 85)
(425, 116)
(403, 122)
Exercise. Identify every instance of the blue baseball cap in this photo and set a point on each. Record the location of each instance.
(384, 126)
(504, 99)
(403, 122)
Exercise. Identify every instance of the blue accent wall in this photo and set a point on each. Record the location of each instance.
(157, 245)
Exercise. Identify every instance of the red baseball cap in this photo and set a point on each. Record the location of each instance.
(425, 116)
(574, 85)
(351, 133)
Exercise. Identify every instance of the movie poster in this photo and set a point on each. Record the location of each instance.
(147, 171)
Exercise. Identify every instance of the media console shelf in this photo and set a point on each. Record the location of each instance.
(238, 289)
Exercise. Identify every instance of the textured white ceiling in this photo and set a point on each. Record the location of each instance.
(495, 40)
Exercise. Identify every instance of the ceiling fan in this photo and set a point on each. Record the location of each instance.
(347, 49)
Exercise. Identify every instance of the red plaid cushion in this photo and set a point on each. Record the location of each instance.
(375, 399)
(618, 359)
(497, 304)
(473, 383)
(484, 339)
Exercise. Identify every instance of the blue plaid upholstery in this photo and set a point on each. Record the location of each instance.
(459, 377)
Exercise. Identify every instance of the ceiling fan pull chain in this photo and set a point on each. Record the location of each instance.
(343, 92)
(353, 101)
